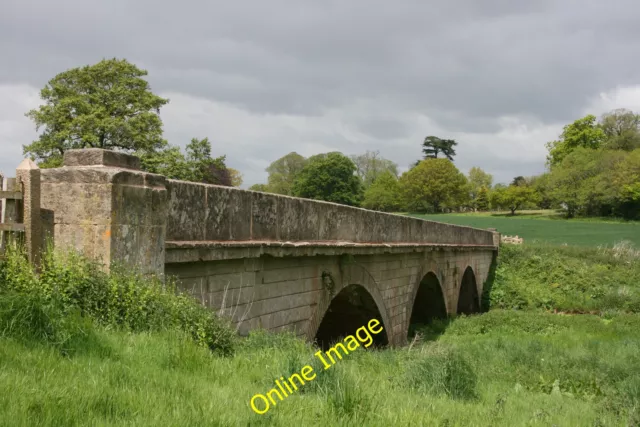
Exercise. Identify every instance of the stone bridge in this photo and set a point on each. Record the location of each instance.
(268, 261)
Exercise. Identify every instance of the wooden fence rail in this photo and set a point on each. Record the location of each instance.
(20, 216)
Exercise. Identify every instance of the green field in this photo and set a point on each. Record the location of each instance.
(548, 229)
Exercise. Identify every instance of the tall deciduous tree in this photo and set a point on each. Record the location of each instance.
(107, 105)
(541, 184)
(283, 172)
(259, 187)
(622, 129)
(519, 181)
(626, 178)
(583, 182)
(434, 185)
(482, 200)
(433, 146)
(370, 166)
(236, 177)
(478, 179)
(513, 197)
(584, 132)
(197, 165)
(384, 194)
(329, 177)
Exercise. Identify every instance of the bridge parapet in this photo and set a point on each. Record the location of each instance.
(200, 212)
(102, 204)
(272, 261)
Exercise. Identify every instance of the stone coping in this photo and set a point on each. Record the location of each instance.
(194, 251)
(185, 244)
(100, 157)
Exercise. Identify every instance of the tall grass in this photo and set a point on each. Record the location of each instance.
(80, 347)
(69, 290)
(566, 278)
(493, 369)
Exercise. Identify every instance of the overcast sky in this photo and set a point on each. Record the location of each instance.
(264, 78)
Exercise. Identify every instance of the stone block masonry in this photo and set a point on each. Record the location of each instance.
(99, 204)
(267, 261)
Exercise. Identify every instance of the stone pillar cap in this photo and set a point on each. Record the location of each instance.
(27, 164)
(100, 157)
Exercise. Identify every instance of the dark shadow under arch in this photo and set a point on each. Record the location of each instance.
(468, 301)
(428, 306)
(351, 309)
(429, 302)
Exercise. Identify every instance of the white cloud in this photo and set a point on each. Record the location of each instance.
(252, 140)
(621, 97)
(15, 129)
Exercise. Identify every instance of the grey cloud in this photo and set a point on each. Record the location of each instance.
(463, 64)
(383, 127)
(497, 58)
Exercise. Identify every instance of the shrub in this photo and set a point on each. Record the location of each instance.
(120, 299)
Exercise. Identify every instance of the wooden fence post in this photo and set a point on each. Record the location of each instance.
(9, 212)
(28, 178)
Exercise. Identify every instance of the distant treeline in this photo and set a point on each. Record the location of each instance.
(593, 169)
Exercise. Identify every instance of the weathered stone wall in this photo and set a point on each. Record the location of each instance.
(269, 261)
(199, 212)
(290, 292)
(100, 205)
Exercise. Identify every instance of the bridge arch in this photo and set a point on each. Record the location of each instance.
(468, 298)
(429, 302)
(352, 305)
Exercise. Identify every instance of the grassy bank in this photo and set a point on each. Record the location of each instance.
(518, 364)
(504, 368)
(567, 279)
(556, 231)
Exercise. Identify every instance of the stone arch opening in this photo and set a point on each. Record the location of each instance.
(468, 301)
(429, 303)
(351, 309)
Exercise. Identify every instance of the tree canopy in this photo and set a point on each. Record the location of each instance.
(329, 177)
(592, 167)
(585, 182)
(479, 180)
(107, 105)
(621, 128)
(236, 177)
(519, 181)
(513, 197)
(197, 165)
(259, 187)
(584, 132)
(481, 202)
(433, 146)
(283, 172)
(370, 166)
(434, 185)
(384, 194)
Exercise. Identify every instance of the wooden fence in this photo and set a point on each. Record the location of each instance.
(20, 220)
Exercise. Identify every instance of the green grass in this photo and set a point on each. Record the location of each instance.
(577, 232)
(503, 368)
(64, 364)
(567, 278)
